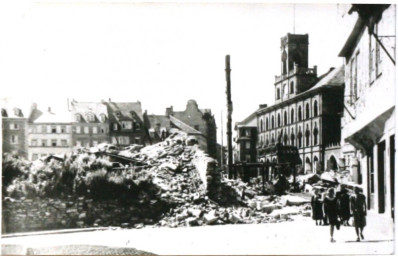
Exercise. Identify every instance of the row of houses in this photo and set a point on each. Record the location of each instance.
(87, 124)
(343, 120)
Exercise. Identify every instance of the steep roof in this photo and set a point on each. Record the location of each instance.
(250, 121)
(84, 108)
(163, 121)
(183, 126)
(51, 117)
(12, 113)
(124, 110)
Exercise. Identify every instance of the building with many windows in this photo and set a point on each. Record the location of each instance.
(49, 133)
(368, 124)
(307, 108)
(246, 139)
(14, 132)
(90, 123)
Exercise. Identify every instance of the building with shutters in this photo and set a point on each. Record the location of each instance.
(368, 123)
(307, 109)
(49, 133)
(14, 132)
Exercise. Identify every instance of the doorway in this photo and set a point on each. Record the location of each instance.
(381, 159)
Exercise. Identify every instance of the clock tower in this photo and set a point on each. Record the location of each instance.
(295, 76)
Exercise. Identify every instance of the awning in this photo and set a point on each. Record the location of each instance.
(368, 134)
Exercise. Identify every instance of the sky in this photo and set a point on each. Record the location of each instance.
(162, 54)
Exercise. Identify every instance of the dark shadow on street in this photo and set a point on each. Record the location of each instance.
(370, 241)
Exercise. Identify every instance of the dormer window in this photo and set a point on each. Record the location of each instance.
(90, 117)
(78, 118)
(102, 117)
(4, 113)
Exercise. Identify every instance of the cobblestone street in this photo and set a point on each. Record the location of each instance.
(300, 236)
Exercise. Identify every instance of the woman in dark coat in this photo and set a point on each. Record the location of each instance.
(316, 203)
(331, 209)
(344, 200)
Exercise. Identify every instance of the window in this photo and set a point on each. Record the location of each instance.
(354, 79)
(43, 143)
(14, 139)
(292, 116)
(307, 111)
(299, 114)
(315, 135)
(292, 139)
(279, 120)
(272, 122)
(273, 139)
(285, 139)
(86, 130)
(115, 127)
(266, 140)
(138, 140)
(63, 129)
(90, 117)
(248, 133)
(137, 126)
(48, 129)
(285, 118)
(33, 143)
(247, 158)
(38, 128)
(124, 140)
(315, 108)
(102, 130)
(78, 118)
(291, 87)
(53, 129)
(247, 144)
(102, 117)
(14, 126)
(307, 137)
(266, 124)
(127, 125)
(95, 130)
(300, 138)
(53, 143)
(278, 94)
(78, 129)
(261, 125)
(64, 143)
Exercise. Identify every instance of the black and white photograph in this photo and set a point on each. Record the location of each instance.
(197, 128)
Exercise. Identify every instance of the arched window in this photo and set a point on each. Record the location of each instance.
(307, 165)
(299, 113)
(285, 118)
(261, 125)
(285, 139)
(307, 137)
(292, 116)
(266, 140)
(273, 139)
(292, 139)
(315, 108)
(266, 124)
(315, 163)
(315, 132)
(307, 111)
(279, 120)
(272, 122)
(291, 87)
(300, 138)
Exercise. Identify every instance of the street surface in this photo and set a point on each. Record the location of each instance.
(300, 236)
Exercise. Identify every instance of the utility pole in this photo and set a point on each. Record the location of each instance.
(229, 120)
(222, 144)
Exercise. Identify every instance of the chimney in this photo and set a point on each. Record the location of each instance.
(169, 111)
(49, 109)
(262, 105)
(109, 99)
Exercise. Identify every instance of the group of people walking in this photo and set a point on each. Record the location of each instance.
(336, 208)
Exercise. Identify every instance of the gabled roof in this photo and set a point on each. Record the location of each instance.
(250, 121)
(183, 126)
(352, 40)
(119, 111)
(12, 113)
(85, 108)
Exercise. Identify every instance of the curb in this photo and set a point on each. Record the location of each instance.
(56, 232)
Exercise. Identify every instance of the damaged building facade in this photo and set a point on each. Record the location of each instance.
(307, 108)
(368, 124)
(196, 122)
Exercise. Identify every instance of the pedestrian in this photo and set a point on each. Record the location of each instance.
(325, 217)
(358, 207)
(331, 209)
(344, 200)
(316, 204)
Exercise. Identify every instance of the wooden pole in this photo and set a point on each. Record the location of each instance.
(229, 120)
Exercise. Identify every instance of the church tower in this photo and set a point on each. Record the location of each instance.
(295, 76)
